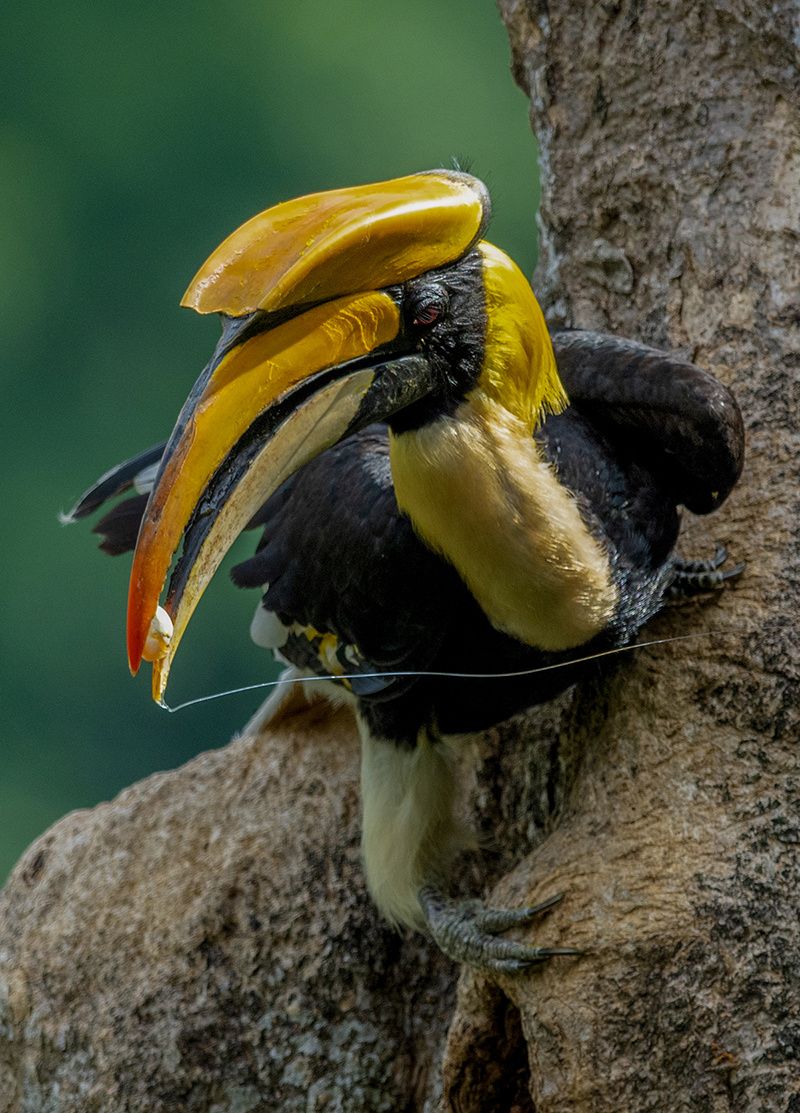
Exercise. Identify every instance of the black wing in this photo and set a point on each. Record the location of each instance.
(138, 471)
(643, 433)
(339, 558)
(119, 528)
(675, 418)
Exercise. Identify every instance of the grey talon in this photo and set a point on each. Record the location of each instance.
(494, 920)
(467, 932)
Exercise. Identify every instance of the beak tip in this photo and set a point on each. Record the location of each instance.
(134, 659)
(136, 623)
(159, 685)
(134, 641)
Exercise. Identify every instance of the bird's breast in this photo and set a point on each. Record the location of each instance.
(479, 493)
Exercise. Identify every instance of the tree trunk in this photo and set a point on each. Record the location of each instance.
(670, 139)
(205, 941)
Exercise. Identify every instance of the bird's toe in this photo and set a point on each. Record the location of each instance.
(468, 932)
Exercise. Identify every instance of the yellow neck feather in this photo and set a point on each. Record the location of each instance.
(478, 491)
(519, 369)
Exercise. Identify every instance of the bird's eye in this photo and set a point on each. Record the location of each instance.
(428, 313)
(428, 310)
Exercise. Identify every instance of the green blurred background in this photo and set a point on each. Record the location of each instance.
(134, 138)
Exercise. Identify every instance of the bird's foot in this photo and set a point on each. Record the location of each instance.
(466, 930)
(692, 577)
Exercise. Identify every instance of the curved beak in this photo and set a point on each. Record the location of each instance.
(256, 415)
(312, 349)
(344, 241)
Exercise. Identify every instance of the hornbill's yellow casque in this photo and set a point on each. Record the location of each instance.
(442, 486)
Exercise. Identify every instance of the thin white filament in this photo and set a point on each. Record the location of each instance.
(397, 673)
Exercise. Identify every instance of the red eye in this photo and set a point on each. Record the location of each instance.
(428, 314)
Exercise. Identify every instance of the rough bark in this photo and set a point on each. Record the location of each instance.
(205, 942)
(670, 136)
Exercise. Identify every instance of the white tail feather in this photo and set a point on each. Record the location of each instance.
(410, 833)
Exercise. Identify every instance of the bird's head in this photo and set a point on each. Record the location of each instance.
(379, 302)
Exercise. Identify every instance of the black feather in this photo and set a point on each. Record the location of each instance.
(119, 528)
(643, 434)
(115, 482)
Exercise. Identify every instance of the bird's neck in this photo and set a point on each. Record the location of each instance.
(478, 492)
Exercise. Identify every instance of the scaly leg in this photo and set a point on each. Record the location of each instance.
(467, 932)
(410, 835)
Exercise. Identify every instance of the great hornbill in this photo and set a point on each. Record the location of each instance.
(442, 486)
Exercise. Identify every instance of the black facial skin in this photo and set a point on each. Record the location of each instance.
(444, 318)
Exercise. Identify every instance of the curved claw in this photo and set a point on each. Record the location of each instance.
(466, 931)
(694, 577)
(710, 564)
(493, 920)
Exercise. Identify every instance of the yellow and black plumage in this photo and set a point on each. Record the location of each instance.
(442, 488)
